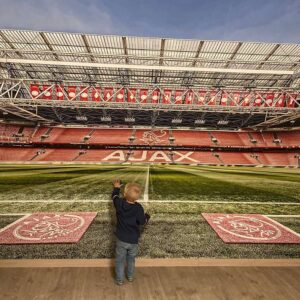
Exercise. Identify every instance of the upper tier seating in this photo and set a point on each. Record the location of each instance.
(111, 136)
(193, 138)
(227, 138)
(290, 138)
(14, 133)
(151, 137)
(61, 135)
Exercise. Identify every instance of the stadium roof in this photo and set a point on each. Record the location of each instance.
(140, 60)
(126, 61)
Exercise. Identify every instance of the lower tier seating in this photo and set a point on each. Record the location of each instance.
(23, 154)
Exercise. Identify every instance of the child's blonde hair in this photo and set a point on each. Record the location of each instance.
(132, 191)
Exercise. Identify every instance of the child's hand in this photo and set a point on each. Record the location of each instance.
(117, 183)
(147, 217)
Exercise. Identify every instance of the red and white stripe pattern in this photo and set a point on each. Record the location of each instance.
(96, 94)
(189, 97)
(246, 99)
(155, 96)
(131, 95)
(212, 98)
(178, 97)
(235, 98)
(291, 99)
(201, 97)
(280, 100)
(84, 93)
(60, 92)
(269, 99)
(72, 92)
(108, 94)
(47, 92)
(34, 91)
(120, 95)
(143, 95)
(167, 96)
(258, 99)
(224, 98)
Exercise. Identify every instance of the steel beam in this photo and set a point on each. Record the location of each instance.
(290, 116)
(145, 106)
(269, 55)
(23, 113)
(144, 67)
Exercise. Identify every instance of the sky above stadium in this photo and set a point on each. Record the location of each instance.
(245, 20)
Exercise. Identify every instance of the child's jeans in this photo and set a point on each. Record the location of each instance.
(125, 252)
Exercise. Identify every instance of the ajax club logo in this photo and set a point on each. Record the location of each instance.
(247, 227)
(153, 137)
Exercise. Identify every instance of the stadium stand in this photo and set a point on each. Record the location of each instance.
(62, 135)
(269, 139)
(247, 139)
(50, 144)
(228, 138)
(17, 154)
(104, 136)
(110, 136)
(202, 157)
(57, 155)
(229, 158)
(71, 118)
(94, 156)
(40, 134)
(14, 133)
(151, 137)
(290, 138)
(20, 154)
(191, 138)
(281, 159)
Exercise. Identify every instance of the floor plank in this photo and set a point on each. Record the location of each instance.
(151, 283)
(151, 262)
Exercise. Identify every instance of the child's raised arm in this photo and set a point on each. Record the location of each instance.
(116, 192)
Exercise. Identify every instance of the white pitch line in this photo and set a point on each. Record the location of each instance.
(270, 216)
(14, 214)
(146, 190)
(11, 224)
(152, 201)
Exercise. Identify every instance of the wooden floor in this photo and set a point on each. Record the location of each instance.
(176, 282)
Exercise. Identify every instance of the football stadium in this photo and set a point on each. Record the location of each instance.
(209, 129)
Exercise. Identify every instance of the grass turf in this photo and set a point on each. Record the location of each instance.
(167, 235)
(222, 185)
(180, 223)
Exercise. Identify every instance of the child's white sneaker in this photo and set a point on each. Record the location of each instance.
(130, 279)
(119, 282)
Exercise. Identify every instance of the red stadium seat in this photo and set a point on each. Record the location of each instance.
(241, 143)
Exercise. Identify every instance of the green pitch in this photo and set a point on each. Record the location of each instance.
(174, 196)
(184, 189)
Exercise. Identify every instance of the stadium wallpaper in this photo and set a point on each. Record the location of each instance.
(174, 195)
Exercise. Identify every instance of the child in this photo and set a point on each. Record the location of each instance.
(130, 214)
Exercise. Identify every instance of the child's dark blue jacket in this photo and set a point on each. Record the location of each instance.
(129, 217)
